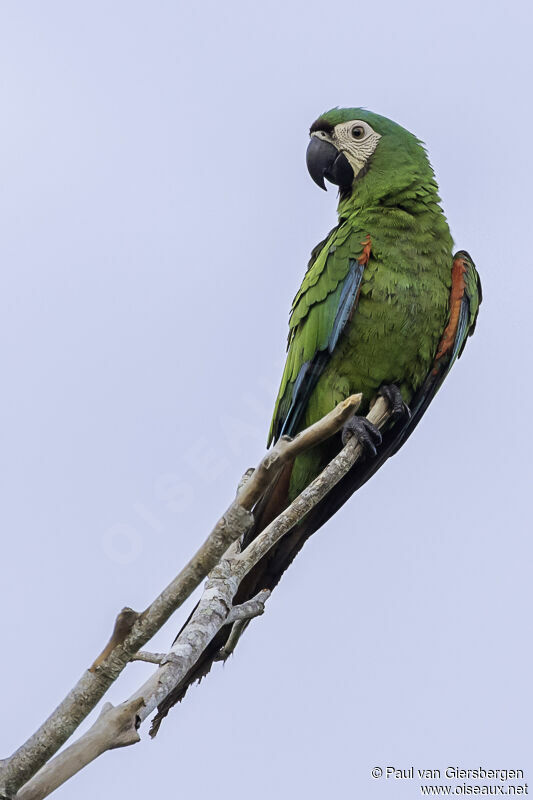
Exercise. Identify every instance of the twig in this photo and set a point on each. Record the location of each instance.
(250, 609)
(151, 658)
(237, 631)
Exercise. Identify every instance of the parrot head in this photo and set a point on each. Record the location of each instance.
(364, 154)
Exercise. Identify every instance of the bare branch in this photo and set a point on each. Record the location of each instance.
(237, 631)
(133, 630)
(286, 449)
(250, 609)
(115, 727)
(214, 610)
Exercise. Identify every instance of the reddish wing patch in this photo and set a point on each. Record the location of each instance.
(456, 296)
(367, 248)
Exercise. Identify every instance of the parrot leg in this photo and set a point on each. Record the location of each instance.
(394, 398)
(367, 434)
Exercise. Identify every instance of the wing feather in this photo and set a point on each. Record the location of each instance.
(320, 311)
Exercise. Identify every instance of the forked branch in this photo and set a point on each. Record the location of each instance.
(117, 726)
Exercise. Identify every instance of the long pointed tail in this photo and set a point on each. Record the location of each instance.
(269, 507)
(268, 572)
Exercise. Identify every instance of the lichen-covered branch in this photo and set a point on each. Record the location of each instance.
(214, 610)
(132, 629)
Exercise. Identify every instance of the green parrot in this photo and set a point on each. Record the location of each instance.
(385, 308)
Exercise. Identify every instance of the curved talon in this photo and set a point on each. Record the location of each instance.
(365, 432)
(394, 398)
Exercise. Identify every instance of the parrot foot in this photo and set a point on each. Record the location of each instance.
(364, 431)
(394, 398)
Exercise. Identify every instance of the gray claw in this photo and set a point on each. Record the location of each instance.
(394, 398)
(365, 432)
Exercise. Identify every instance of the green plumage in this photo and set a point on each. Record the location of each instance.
(403, 304)
(397, 316)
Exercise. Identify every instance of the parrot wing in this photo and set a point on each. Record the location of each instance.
(324, 304)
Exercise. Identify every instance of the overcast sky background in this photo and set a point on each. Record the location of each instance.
(156, 218)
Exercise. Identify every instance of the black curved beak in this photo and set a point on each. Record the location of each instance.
(324, 161)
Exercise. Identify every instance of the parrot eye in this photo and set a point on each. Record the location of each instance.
(358, 131)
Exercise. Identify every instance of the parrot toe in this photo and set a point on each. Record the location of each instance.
(366, 434)
(394, 398)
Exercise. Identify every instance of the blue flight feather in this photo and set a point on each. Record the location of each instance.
(348, 296)
(311, 370)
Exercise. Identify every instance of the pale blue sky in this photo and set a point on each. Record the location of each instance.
(157, 218)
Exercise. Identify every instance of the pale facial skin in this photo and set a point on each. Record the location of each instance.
(356, 139)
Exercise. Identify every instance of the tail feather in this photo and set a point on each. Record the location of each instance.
(268, 508)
